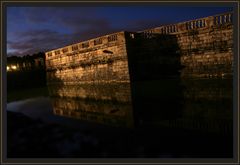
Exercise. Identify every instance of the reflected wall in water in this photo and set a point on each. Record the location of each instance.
(195, 104)
(209, 104)
(102, 91)
(188, 104)
(101, 103)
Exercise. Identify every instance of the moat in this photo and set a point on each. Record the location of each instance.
(165, 118)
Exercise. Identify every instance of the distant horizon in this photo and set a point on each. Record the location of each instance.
(31, 30)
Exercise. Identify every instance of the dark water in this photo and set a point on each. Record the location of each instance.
(165, 118)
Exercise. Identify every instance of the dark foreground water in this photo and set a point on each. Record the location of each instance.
(165, 118)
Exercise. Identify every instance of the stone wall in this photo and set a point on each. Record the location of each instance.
(196, 48)
(152, 57)
(102, 59)
(205, 45)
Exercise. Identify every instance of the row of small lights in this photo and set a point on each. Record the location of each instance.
(13, 67)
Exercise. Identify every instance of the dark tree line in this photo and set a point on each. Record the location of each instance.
(26, 72)
(28, 62)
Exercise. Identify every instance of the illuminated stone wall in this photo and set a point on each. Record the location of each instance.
(102, 59)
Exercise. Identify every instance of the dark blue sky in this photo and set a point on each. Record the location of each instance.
(34, 29)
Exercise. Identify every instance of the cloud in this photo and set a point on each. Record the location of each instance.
(49, 28)
(57, 14)
(74, 19)
(35, 41)
(36, 34)
(42, 14)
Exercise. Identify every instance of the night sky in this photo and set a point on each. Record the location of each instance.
(34, 29)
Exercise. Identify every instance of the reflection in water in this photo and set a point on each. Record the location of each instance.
(208, 105)
(203, 104)
(195, 104)
(165, 118)
(103, 103)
